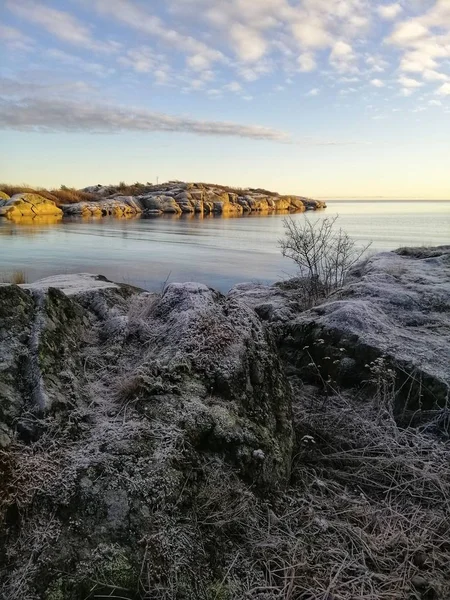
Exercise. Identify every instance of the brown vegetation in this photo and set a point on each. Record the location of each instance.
(62, 196)
(66, 195)
(16, 278)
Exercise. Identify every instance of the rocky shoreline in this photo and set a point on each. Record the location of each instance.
(194, 445)
(171, 198)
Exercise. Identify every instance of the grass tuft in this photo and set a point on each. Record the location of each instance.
(16, 278)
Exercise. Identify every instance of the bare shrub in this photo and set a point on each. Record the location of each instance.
(323, 253)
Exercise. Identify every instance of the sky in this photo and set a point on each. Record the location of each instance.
(325, 98)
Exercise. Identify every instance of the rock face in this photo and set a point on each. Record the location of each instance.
(133, 421)
(147, 445)
(119, 206)
(189, 198)
(393, 314)
(29, 205)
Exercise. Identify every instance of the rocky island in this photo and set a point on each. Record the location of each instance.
(193, 445)
(153, 200)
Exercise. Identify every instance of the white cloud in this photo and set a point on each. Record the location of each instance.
(197, 84)
(248, 44)
(389, 11)
(430, 75)
(256, 70)
(233, 86)
(311, 34)
(376, 63)
(137, 17)
(408, 82)
(53, 115)
(280, 30)
(417, 62)
(408, 31)
(342, 57)
(54, 88)
(435, 103)
(14, 39)
(425, 42)
(377, 83)
(214, 93)
(141, 60)
(307, 62)
(444, 90)
(198, 62)
(59, 23)
(70, 60)
(313, 92)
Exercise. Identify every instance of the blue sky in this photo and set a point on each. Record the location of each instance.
(328, 98)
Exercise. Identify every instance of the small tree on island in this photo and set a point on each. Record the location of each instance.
(323, 253)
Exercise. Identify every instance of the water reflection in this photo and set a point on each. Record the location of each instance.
(209, 248)
(14, 225)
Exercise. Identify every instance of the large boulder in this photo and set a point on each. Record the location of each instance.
(118, 206)
(137, 431)
(297, 203)
(389, 326)
(165, 204)
(29, 205)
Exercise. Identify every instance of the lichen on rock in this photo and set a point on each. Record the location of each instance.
(29, 205)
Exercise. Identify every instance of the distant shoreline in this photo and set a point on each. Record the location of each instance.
(381, 199)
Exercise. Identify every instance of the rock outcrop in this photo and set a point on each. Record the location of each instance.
(170, 445)
(28, 205)
(189, 198)
(160, 407)
(392, 315)
(119, 206)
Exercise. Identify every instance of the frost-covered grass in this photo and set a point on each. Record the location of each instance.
(146, 484)
(365, 514)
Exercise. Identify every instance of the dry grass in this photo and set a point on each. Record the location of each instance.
(134, 189)
(24, 471)
(16, 277)
(58, 196)
(367, 515)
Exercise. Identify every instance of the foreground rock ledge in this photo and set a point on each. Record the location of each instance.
(137, 429)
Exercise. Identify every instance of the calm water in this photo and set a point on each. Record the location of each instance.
(217, 251)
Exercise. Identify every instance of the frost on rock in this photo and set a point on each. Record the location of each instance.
(148, 417)
(72, 284)
(147, 446)
(395, 305)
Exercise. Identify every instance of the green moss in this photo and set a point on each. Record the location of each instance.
(56, 591)
(119, 572)
(219, 590)
(112, 573)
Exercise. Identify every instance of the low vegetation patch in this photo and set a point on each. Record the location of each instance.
(323, 253)
(16, 277)
(60, 196)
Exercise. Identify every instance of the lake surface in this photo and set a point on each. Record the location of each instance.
(213, 250)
